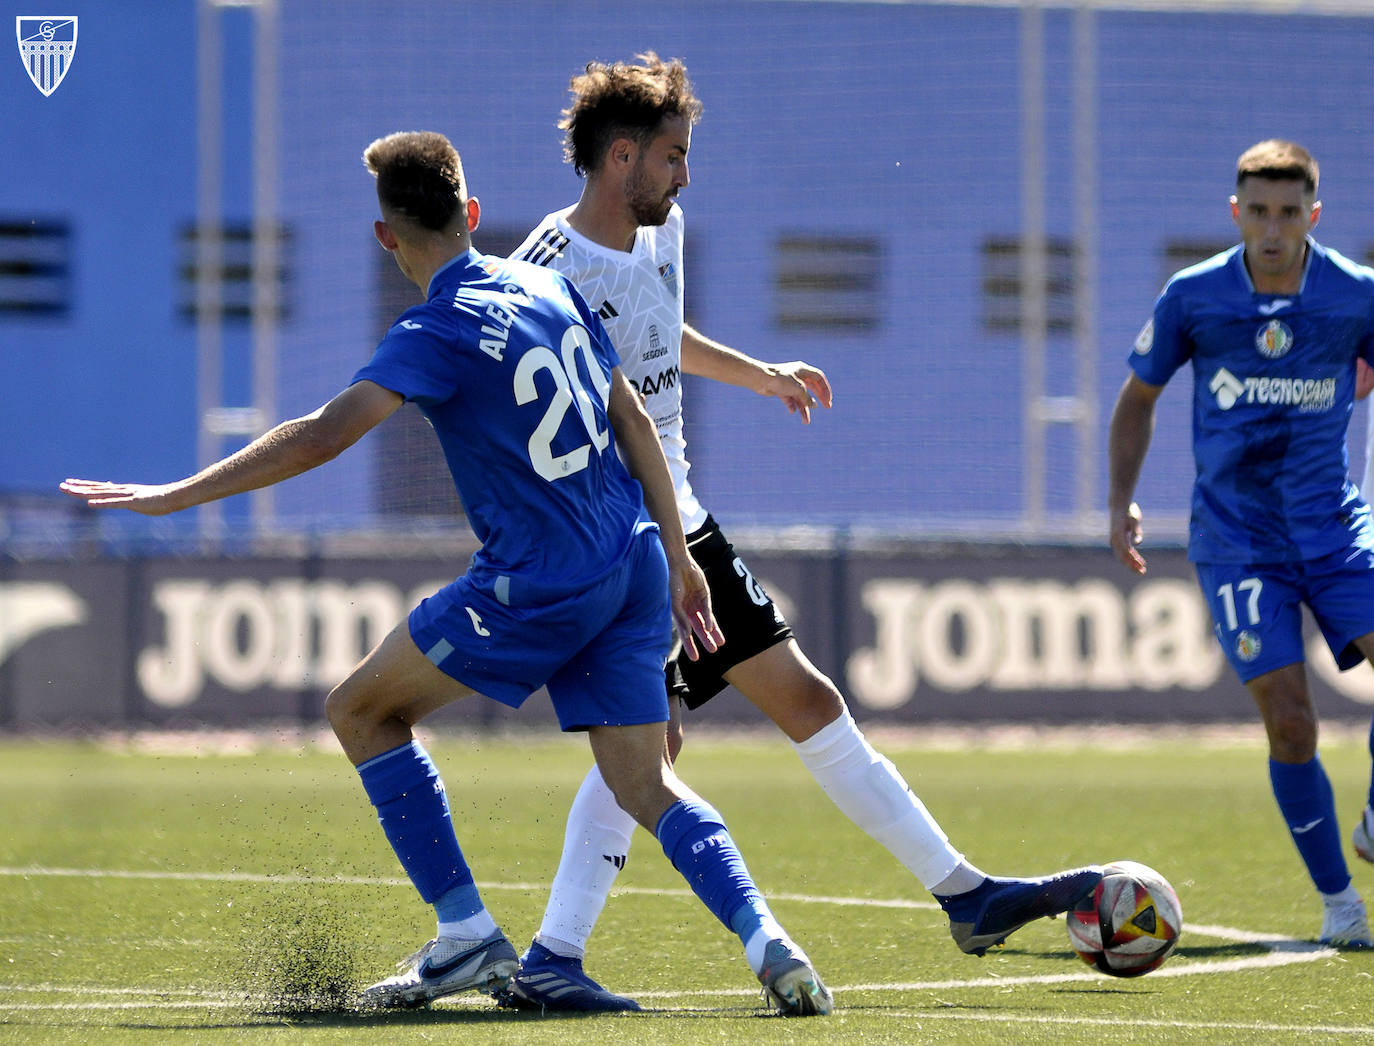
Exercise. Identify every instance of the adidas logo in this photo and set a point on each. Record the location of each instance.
(607, 310)
(616, 859)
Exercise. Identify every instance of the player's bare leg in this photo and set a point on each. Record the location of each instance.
(1303, 792)
(634, 764)
(804, 703)
(372, 712)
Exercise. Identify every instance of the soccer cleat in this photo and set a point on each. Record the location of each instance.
(444, 966)
(1346, 926)
(554, 983)
(790, 985)
(1363, 836)
(986, 916)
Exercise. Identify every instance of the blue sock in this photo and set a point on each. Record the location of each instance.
(1309, 807)
(695, 838)
(405, 787)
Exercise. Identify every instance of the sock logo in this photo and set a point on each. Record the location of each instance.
(616, 859)
(1302, 829)
(716, 839)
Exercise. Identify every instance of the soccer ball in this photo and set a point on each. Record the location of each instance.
(1130, 922)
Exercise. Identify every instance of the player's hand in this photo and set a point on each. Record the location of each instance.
(799, 385)
(150, 500)
(1126, 534)
(1364, 379)
(692, 610)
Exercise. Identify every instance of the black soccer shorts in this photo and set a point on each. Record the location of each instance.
(745, 612)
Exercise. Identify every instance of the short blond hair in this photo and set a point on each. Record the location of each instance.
(1278, 160)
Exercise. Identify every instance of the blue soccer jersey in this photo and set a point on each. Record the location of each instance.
(1273, 391)
(513, 371)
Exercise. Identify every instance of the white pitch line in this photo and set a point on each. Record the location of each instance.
(1139, 1022)
(208, 1003)
(1281, 951)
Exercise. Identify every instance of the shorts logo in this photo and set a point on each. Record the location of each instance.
(477, 625)
(1145, 340)
(1274, 339)
(1248, 645)
(47, 45)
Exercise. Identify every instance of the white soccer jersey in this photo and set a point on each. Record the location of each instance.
(638, 296)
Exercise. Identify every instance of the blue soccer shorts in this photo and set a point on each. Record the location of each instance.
(1257, 608)
(600, 653)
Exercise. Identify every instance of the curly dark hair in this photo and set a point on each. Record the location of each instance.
(419, 175)
(623, 101)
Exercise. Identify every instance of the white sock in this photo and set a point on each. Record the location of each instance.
(474, 928)
(1347, 896)
(757, 945)
(872, 794)
(595, 847)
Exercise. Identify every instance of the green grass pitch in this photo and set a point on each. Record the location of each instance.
(196, 894)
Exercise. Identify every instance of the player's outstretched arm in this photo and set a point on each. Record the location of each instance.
(1132, 426)
(637, 438)
(287, 450)
(799, 385)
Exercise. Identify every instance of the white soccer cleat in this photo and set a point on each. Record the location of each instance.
(1363, 836)
(790, 985)
(442, 967)
(1346, 926)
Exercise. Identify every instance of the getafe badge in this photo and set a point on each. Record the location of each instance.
(1274, 339)
(47, 45)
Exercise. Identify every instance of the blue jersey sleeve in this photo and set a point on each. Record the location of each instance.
(1164, 345)
(415, 360)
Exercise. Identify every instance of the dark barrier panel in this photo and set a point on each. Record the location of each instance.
(919, 633)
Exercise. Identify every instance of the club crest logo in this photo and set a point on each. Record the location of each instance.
(1247, 645)
(47, 45)
(1274, 339)
(668, 273)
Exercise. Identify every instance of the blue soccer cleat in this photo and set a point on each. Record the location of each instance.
(986, 916)
(554, 983)
(442, 967)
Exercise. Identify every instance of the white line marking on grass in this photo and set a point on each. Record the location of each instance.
(1153, 1024)
(292, 879)
(1280, 950)
(205, 1004)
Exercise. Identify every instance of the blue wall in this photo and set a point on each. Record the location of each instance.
(895, 121)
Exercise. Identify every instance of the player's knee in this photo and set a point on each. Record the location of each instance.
(336, 709)
(815, 704)
(346, 708)
(1293, 734)
(640, 790)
